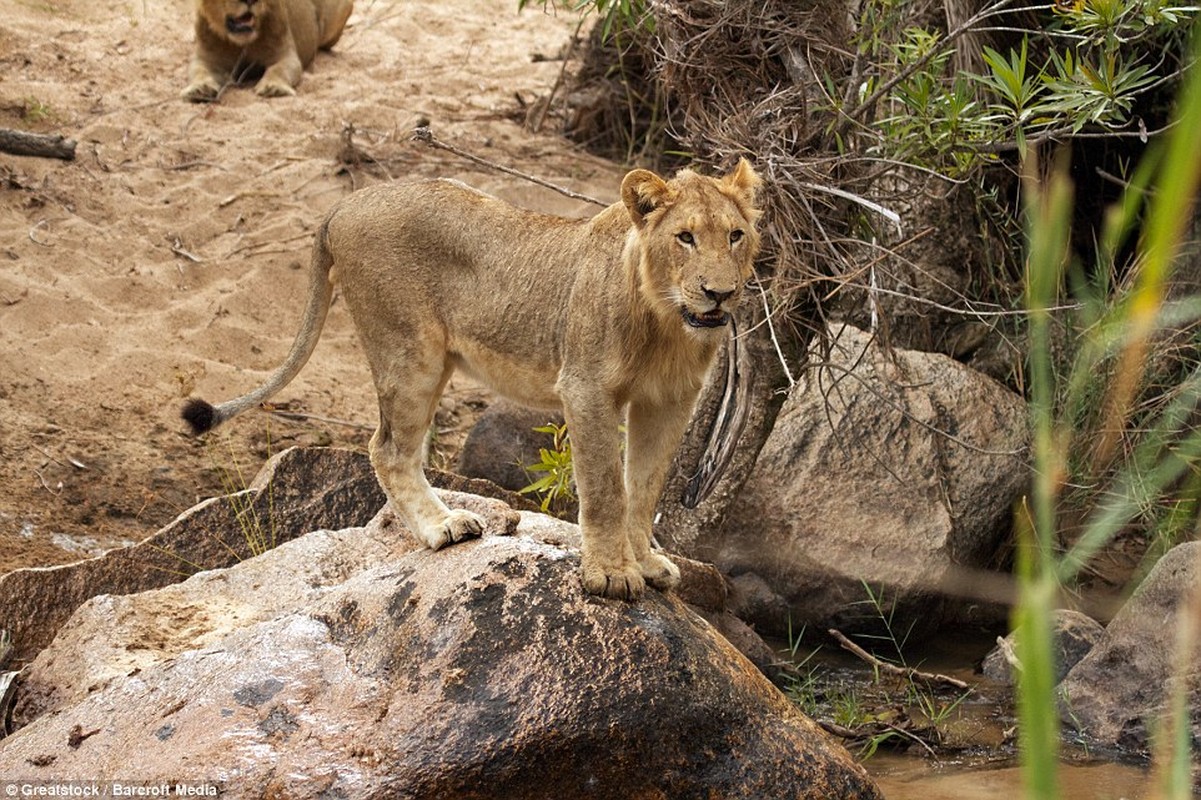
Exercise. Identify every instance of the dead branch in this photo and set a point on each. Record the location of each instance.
(178, 249)
(424, 134)
(909, 673)
(8, 693)
(21, 143)
(298, 416)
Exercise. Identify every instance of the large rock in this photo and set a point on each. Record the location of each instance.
(503, 444)
(893, 469)
(1120, 689)
(1075, 634)
(338, 665)
(296, 491)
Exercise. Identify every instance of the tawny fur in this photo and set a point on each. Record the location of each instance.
(616, 318)
(278, 37)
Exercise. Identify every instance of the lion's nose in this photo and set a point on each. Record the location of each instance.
(716, 296)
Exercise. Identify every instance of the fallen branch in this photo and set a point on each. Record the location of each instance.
(424, 134)
(298, 416)
(21, 143)
(841, 731)
(904, 672)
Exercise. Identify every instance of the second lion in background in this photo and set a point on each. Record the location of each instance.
(237, 40)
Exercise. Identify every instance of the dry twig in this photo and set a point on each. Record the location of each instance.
(178, 249)
(298, 416)
(424, 134)
(909, 673)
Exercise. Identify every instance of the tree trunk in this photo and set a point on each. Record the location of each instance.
(733, 418)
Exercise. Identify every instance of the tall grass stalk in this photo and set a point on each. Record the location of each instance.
(1048, 222)
(1124, 329)
(259, 538)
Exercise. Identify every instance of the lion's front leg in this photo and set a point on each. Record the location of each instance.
(609, 567)
(282, 77)
(653, 432)
(204, 80)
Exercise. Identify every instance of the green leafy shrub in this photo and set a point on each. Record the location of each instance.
(555, 489)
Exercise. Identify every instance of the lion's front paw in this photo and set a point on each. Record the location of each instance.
(622, 583)
(275, 88)
(457, 526)
(659, 571)
(202, 91)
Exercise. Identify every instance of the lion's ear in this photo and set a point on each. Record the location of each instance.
(744, 180)
(643, 191)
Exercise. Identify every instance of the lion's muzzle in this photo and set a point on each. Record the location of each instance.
(709, 319)
(714, 317)
(240, 25)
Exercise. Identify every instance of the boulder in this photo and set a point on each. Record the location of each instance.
(296, 491)
(299, 489)
(1119, 691)
(891, 470)
(503, 442)
(341, 664)
(1075, 635)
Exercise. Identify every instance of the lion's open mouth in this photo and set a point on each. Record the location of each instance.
(709, 319)
(240, 24)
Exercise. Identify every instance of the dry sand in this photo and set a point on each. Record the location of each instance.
(166, 260)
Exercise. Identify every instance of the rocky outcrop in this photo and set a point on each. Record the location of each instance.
(1119, 691)
(340, 665)
(1075, 635)
(297, 491)
(892, 469)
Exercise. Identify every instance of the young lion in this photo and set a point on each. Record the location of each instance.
(619, 313)
(236, 38)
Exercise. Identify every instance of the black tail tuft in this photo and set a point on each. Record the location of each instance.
(200, 415)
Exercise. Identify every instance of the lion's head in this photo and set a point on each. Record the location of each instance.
(698, 241)
(237, 20)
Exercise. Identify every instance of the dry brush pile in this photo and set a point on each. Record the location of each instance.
(890, 137)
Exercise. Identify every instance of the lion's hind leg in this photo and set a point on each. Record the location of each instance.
(332, 24)
(397, 450)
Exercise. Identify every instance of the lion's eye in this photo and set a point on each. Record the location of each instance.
(735, 236)
(686, 237)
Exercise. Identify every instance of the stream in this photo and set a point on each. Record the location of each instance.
(905, 777)
(944, 744)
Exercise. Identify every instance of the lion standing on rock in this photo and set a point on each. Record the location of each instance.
(236, 39)
(618, 315)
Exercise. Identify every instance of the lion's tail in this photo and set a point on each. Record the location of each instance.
(202, 416)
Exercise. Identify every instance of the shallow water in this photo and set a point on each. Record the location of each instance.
(979, 762)
(905, 777)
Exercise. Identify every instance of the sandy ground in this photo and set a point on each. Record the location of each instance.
(166, 259)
